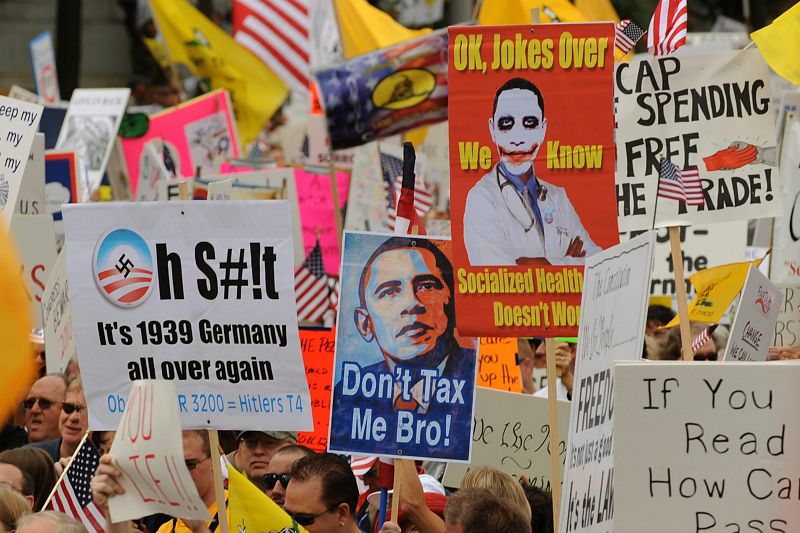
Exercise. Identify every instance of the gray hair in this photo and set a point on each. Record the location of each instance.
(65, 523)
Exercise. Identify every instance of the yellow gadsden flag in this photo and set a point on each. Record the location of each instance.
(19, 365)
(251, 510)
(197, 44)
(495, 12)
(364, 28)
(779, 44)
(716, 288)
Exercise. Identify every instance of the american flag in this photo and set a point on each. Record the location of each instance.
(668, 27)
(311, 287)
(680, 184)
(276, 31)
(628, 34)
(73, 494)
(392, 168)
(702, 338)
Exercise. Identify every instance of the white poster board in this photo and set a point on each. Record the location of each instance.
(511, 432)
(220, 190)
(152, 171)
(45, 75)
(90, 128)
(756, 316)
(31, 191)
(19, 122)
(692, 109)
(148, 448)
(613, 315)
(706, 447)
(787, 328)
(785, 265)
(57, 315)
(201, 293)
(35, 238)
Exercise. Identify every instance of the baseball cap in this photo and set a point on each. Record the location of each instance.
(277, 435)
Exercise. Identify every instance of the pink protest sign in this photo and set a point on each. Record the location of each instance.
(316, 212)
(198, 133)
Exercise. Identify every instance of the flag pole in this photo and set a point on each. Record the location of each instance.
(337, 210)
(552, 420)
(680, 286)
(219, 489)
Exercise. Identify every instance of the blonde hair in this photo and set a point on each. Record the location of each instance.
(501, 484)
(12, 506)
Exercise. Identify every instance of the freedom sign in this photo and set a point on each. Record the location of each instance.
(199, 293)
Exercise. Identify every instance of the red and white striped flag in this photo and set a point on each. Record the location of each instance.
(678, 184)
(668, 27)
(312, 291)
(702, 338)
(73, 493)
(627, 35)
(276, 31)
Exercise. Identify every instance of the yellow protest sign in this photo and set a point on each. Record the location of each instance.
(252, 510)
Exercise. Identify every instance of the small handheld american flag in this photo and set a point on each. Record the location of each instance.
(312, 291)
(678, 184)
(628, 34)
(701, 339)
(73, 492)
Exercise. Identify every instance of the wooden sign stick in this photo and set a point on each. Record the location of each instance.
(183, 190)
(680, 285)
(219, 489)
(552, 417)
(337, 211)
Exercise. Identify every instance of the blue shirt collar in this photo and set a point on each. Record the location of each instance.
(532, 185)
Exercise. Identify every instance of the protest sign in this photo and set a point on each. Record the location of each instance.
(152, 171)
(318, 348)
(267, 184)
(315, 200)
(787, 329)
(703, 112)
(90, 128)
(201, 293)
(717, 453)
(148, 448)
(512, 434)
(403, 378)
(326, 46)
(36, 242)
(44, 68)
(62, 186)
(756, 317)
(51, 123)
(702, 245)
(785, 266)
(518, 249)
(30, 200)
(220, 190)
(198, 133)
(367, 201)
(19, 93)
(169, 190)
(385, 92)
(57, 317)
(320, 154)
(612, 329)
(18, 123)
(497, 364)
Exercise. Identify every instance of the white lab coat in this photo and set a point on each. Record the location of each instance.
(493, 236)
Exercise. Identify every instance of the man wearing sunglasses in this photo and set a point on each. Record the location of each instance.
(278, 475)
(43, 408)
(72, 425)
(253, 455)
(511, 216)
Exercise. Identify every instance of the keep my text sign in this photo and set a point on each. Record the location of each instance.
(706, 448)
(201, 293)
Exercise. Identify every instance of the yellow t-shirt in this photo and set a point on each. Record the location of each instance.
(177, 525)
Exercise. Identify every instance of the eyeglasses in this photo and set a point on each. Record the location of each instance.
(271, 479)
(707, 357)
(69, 407)
(191, 465)
(44, 403)
(306, 519)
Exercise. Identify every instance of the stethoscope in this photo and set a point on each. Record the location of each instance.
(522, 199)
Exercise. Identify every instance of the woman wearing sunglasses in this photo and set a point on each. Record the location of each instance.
(72, 425)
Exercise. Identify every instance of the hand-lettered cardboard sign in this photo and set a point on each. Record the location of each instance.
(201, 293)
(318, 348)
(35, 239)
(57, 315)
(497, 364)
(708, 113)
(404, 379)
(756, 316)
(148, 448)
(787, 329)
(31, 197)
(90, 128)
(531, 186)
(220, 190)
(315, 201)
(43, 58)
(785, 265)
(512, 434)
(702, 447)
(18, 123)
(199, 133)
(612, 329)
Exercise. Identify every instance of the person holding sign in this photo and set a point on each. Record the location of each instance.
(511, 216)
